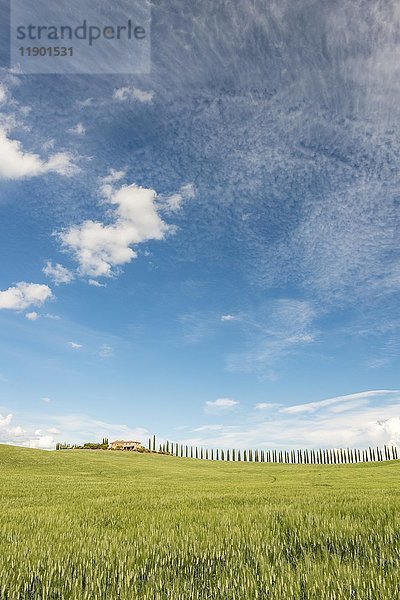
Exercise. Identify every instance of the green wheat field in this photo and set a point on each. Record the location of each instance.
(99, 524)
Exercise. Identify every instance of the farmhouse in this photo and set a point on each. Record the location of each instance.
(122, 445)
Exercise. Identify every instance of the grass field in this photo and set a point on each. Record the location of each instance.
(98, 524)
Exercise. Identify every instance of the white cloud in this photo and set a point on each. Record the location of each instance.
(17, 435)
(359, 427)
(101, 248)
(132, 93)
(77, 130)
(23, 295)
(75, 346)
(106, 351)
(265, 405)
(52, 317)
(85, 103)
(53, 431)
(58, 273)
(311, 407)
(112, 177)
(174, 202)
(220, 405)
(5, 421)
(82, 428)
(32, 316)
(3, 93)
(49, 144)
(46, 400)
(209, 428)
(228, 318)
(42, 442)
(96, 283)
(8, 433)
(16, 163)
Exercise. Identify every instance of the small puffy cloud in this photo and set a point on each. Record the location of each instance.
(42, 442)
(113, 176)
(52, 317)
(220, 405)
(75, 346)
(46, 400)
(16, 163)
(77, 130)
(101, 249)
(8, 433)
(96, 283)
(228, 318)
(23, 295)
(131, 93)
(85, 103)
(174, 202)
(5, 421)
(58, 273)
(265, 405)
(106, 351)
(32, 316)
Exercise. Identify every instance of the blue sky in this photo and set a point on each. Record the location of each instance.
(209, 252)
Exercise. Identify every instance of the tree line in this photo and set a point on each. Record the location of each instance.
(301, 456)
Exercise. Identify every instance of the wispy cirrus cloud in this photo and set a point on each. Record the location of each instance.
(75, 345)
(271, 332)
(266, 405)
(349, 399)
(124, 94)
(220, 405)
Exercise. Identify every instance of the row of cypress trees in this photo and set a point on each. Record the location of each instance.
(318, 456)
